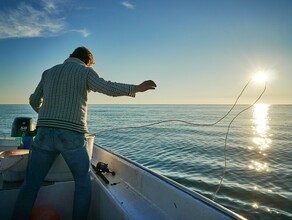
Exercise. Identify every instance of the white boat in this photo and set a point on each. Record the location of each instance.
(132, 192)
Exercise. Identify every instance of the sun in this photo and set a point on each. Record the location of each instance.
(260, 77)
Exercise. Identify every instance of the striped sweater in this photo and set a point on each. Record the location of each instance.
(61, 96)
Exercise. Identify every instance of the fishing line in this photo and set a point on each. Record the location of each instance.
(201, 124)
(226, 137)
(181, 121)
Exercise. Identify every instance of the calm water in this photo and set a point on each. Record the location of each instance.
(258, 182)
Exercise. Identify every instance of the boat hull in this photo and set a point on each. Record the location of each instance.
(140, 193)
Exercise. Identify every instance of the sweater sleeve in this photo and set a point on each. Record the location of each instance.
(98, 84)
(36, 99)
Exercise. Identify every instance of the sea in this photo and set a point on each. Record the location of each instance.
(180, 142)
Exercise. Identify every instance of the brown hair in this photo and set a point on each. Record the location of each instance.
(83, 54)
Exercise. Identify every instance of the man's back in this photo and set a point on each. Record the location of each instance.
(64, 88)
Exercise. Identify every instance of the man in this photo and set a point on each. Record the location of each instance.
(60, 100)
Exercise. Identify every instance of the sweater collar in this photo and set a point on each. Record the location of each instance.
(74, 60)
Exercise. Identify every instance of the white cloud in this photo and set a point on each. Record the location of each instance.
(27, 21)
(83, 32)
(50, 6)
(128, 5)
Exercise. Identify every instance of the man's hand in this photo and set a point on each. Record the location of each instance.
(146, 85)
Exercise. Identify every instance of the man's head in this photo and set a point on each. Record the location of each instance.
(83, 54)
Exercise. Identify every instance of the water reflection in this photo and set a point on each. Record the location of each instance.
(261, 137)
(259, 166)
(260, 127)
(261, 143)
(255, 205)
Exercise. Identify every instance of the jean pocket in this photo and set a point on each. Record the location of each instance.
(69, 140)
(43, 139)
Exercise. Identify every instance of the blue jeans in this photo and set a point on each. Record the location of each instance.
(48, 144)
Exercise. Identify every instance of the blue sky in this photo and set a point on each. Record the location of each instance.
(196, 51)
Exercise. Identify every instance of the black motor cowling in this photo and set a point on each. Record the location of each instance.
(22, 125)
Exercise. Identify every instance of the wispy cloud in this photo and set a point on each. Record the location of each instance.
(26, 21)
(128, 5)
(83, 32)
(50, 6)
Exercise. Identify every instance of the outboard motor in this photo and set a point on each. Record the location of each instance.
(24, 127)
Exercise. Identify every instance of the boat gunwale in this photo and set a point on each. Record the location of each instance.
(177, 185)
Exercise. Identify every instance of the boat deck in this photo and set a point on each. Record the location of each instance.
(7, 185)
(52, 194)
(116, 200)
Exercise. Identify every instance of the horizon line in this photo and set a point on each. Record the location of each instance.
(164, 104)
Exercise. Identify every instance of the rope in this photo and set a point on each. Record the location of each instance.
(177, 120)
